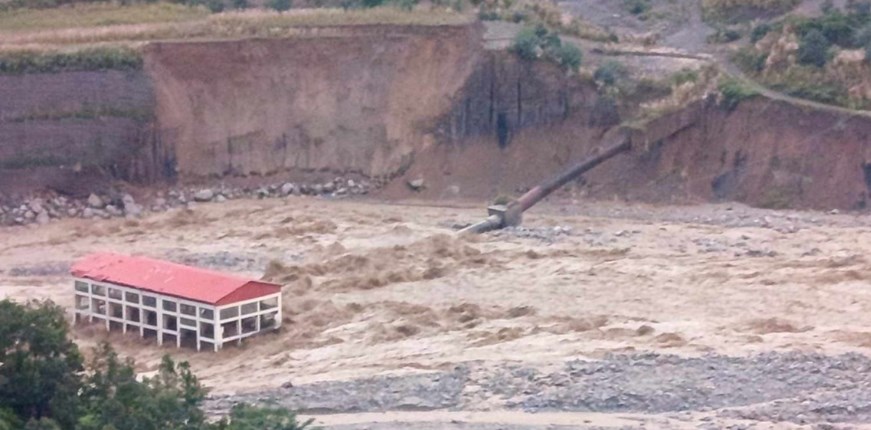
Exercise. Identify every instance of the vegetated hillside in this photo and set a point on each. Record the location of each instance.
(824, 58)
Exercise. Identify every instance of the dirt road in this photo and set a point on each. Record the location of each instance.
(388, 310)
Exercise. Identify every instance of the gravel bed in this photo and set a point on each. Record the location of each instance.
(794, 387)
(429, 391)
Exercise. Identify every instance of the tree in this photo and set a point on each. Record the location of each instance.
(42, 386)
(813, 48)
(114, 397)
(40, 372)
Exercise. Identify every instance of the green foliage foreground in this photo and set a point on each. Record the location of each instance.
(45, 385)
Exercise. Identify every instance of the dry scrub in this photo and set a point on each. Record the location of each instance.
(93, 30)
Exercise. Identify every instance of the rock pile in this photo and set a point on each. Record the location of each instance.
(47, 207)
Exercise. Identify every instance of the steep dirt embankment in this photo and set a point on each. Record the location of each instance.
(765, 153)
(55, 128)
(362, 99)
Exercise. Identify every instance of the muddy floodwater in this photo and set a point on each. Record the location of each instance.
(598, 315)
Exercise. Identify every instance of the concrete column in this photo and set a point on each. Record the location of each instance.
(159, 321)
(219, 330)
(239, 328)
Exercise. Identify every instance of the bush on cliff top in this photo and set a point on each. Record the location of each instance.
(114, 58)
(733, 91)
(538, 42)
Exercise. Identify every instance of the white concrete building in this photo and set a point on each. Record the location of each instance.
(172, 302)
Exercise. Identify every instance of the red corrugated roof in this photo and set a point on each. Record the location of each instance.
(172, 279)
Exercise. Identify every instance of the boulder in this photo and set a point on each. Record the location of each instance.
(95, 201)
(113, 210)
(42, 218)
(204, 195)
(36, 205)
(132, 210)
(416, 184)
(288, 189)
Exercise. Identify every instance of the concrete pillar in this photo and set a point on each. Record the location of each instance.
(159, 321)
(219, 330)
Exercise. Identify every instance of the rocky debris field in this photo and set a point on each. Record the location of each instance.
(800, 388)
(116, 204)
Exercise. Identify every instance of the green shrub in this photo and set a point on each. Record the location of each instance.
(215, 6)
(569, 56)
(406, 5)
(245, 417)
(683, 76)
(733, 92)
(280, 5)
(637, 7)
(609, 73)
(868, 53)
(813, 49)
(527, 44)
(240, 4)
(759, 32)
(724, 35)
(749, 60)
(115, 58)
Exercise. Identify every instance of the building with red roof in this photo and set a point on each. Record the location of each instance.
(173, 302)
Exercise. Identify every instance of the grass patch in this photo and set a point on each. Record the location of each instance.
(96, 15)
(741, 10)
(733, 91)
(102, 58)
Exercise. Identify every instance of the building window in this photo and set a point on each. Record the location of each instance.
(249, 308)
(82, 286)
(131, 297)
(114, 293)
(149, 301)
(229, 312)
(98, 290)
(187, 322)
(168, 306)
(269, 303)
(206, 313)
(82, 303)
(187, 309)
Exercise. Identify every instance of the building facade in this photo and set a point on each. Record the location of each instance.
(172, 302)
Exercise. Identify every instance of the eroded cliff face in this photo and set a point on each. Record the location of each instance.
(764, 153)
(361, 99)
(55, 126)
(420, 102)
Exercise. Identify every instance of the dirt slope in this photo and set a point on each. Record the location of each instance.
(359, 100)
